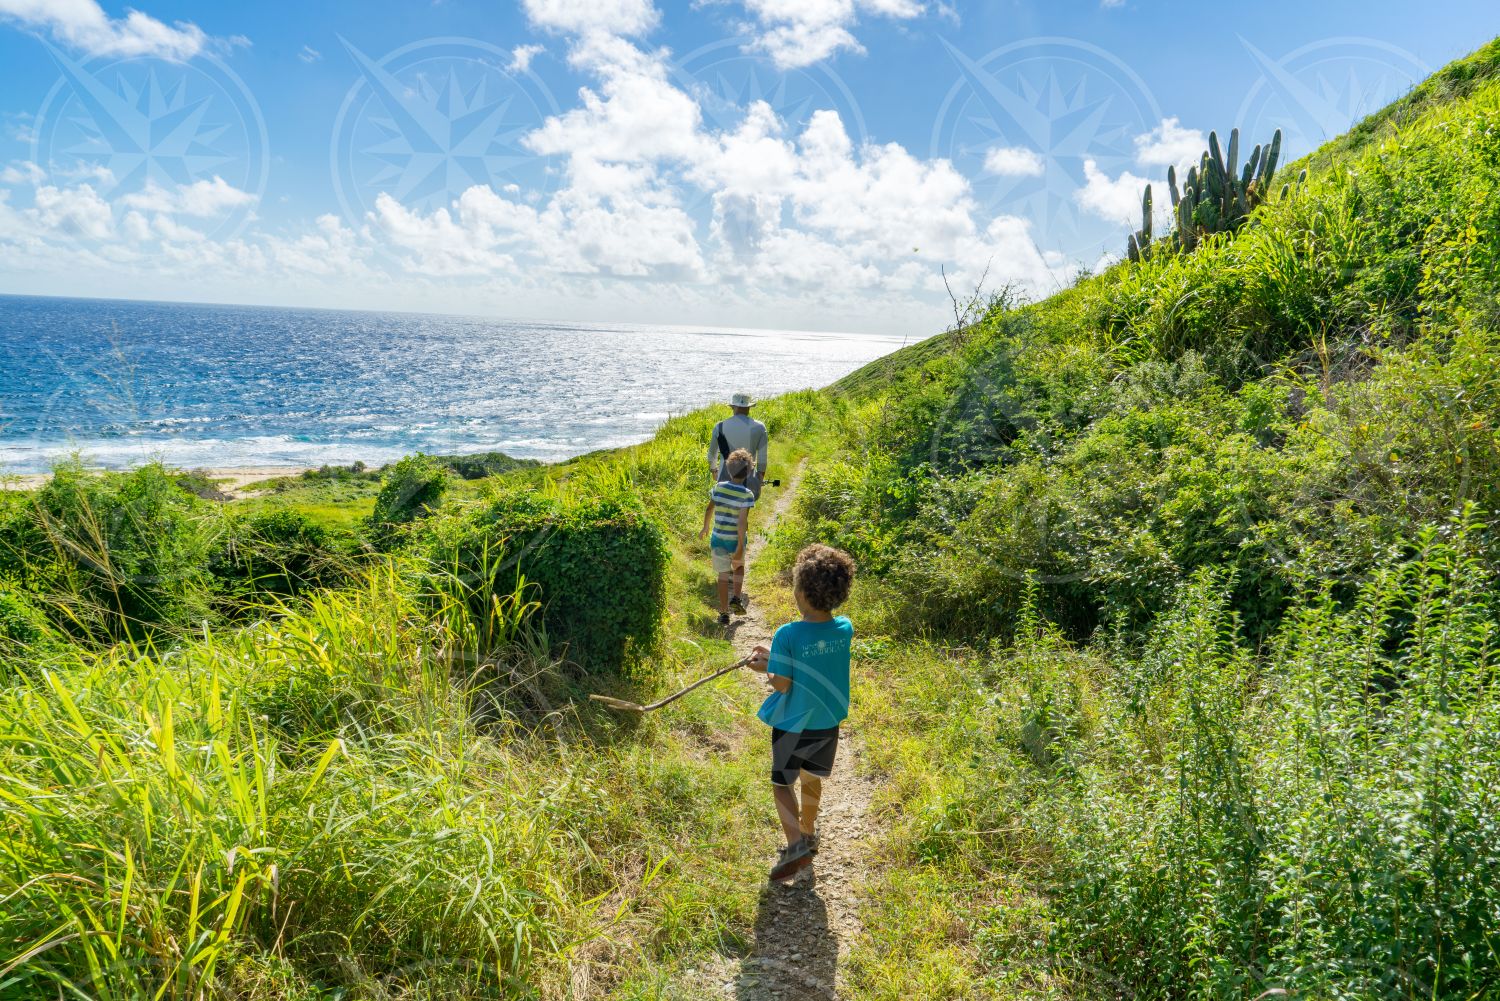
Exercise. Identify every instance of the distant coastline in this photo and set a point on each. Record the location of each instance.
(231, 479)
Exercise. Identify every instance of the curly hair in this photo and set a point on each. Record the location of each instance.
(824, 575)
(739, 465)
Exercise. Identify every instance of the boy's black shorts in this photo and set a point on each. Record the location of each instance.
(793, 751)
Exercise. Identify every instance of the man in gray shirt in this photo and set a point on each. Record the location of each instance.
(739, 431)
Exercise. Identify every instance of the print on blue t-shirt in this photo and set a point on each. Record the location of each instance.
(815, 655)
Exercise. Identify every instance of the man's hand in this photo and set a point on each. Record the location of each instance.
(760, 657)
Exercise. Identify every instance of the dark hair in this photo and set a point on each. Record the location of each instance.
(824, 575)
(739, 464)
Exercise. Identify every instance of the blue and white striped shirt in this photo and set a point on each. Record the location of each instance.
(729, 499)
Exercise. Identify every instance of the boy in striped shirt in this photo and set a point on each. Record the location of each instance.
(725, 522)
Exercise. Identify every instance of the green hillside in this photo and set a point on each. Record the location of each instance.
(1176, 629)
(1192, 571)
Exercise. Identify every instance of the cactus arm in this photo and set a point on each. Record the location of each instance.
(1272, 155)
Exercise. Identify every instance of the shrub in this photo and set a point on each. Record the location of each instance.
(23, 626)
(480, 465)
(410, 489)
(134, 545)
(278, 551)
(341, 474)
(598, 562)
(1321, 824)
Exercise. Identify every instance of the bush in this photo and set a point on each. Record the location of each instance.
(279, 551)
(134, 544)
(598, 562)
(409, 490)
(1322, 824)
(23, 625)
(480, 465)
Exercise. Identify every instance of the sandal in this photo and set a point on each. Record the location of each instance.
(791, 860)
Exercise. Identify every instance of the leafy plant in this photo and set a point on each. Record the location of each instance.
(410, 489)
(597, 561)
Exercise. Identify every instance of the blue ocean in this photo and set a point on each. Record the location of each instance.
(126, 382)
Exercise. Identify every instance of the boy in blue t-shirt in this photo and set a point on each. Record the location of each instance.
(808, 668)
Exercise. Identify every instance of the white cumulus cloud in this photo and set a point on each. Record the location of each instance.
(1014, 161)
(1169, 143)
(521, 57)
(202, 199)
(651, 207)
(796, 33)
(78, 212)
(1117, 199)
(83, 24)
(24, 172)
(585, 17)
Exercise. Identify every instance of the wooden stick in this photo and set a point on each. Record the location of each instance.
(632, 707)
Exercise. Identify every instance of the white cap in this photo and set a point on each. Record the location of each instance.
(740, 400)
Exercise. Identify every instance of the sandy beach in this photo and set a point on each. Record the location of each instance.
(232, 479)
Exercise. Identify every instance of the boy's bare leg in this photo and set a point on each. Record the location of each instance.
(812, 798)
(786, 809)
(724, 592)
(739, 578)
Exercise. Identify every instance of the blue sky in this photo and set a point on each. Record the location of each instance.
(795, 163)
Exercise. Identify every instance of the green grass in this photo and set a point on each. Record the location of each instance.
(338, 505)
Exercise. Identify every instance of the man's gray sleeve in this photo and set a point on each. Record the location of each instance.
(761, 453)
(713, 445)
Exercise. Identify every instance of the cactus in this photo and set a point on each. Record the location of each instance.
(1218, 197)
(1272, 155)
(1138, 247)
